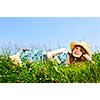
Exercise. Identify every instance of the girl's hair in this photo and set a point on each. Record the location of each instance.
(74, 59)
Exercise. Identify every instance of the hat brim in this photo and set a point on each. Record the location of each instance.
(83, 44)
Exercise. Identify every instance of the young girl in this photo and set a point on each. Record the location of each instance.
(80, 52)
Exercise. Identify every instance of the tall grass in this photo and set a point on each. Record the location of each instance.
(49, 71)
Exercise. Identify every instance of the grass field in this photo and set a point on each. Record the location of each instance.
(49, 72)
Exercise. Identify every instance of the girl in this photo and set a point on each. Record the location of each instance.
(80, 52)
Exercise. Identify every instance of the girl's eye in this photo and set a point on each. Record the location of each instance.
(76, 48)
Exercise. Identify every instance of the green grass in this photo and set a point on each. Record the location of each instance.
(49, 72)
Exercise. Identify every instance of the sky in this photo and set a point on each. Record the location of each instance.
(49, 32)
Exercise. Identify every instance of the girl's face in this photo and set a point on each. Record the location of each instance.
(77, 52)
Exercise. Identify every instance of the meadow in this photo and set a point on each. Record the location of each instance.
(49, 71)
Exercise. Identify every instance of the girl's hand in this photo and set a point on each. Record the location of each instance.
(88, 58)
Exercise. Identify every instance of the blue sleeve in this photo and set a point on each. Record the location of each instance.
(62, 57)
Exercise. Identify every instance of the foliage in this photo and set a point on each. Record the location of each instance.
(49, 71)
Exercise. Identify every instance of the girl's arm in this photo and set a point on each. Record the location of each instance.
(53, 53)
(88, 58)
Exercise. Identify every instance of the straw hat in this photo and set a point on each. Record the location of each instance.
(83, 44)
